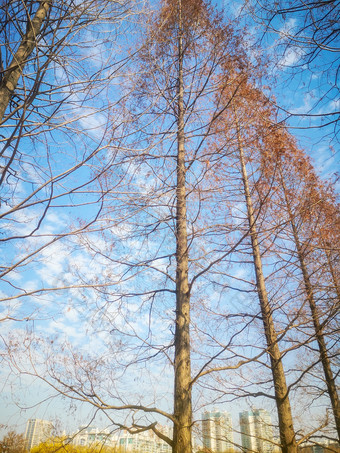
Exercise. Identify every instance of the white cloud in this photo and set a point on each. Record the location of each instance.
(71, 314)
(288, 28)
(54, 260)
(291, 57)
(334, 106)
(307, 106)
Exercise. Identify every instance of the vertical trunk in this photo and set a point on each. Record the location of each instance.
(182, 391)
(318, 328)
(331, 270)
(286, 428)
(14, 71)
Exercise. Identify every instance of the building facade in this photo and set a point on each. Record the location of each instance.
(89, 436)
(144, 442)
(217, 430)
(37, 431)
(256, 431)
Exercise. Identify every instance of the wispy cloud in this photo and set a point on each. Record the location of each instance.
(291, 57)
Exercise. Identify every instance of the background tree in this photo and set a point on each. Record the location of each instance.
(258, 127)
(283, 165)
(239, 122)
(281, 390)
(301, 250)
(13, 443)
(51, 94)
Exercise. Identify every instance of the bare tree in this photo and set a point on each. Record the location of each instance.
(307, 44)
(53, 126)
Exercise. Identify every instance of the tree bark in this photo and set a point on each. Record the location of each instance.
(15, 69)
(332, 270)
(318, 328)
(287, 433)
(182, 391)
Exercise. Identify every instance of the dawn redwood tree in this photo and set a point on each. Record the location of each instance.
(307, 204)
(328, 240)
(286, 426)
(159, 232)
(182, 362)
(245, 121)
(188, 45)
(302, 213)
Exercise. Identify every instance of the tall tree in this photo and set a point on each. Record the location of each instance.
(158, 233)
(182, 362)
(312, 194)
(286, 425)
(305, 203)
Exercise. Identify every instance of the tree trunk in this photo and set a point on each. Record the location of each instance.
(331, 269)
(330, 382)
(15, 69)
(182, 391)
(287, 434)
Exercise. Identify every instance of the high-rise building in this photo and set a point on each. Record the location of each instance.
(256, 431)
(37, 431)
(217, 431)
